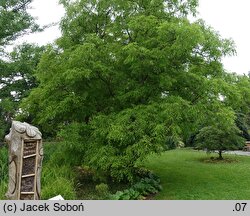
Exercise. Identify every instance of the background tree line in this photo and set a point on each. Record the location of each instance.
(16, 68)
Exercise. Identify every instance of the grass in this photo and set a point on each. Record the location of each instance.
(56, 178)
(187, 175)
(4, 170)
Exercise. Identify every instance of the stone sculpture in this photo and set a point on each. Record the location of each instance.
(25, 161)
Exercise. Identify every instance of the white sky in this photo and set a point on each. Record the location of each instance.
(46, 12)
(229, 17)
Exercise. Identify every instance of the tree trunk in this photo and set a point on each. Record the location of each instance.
(220, 155)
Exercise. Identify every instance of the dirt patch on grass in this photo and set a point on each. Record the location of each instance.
(216, 160)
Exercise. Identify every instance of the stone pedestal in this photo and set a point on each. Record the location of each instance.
(25, 162)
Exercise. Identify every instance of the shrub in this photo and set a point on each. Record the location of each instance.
(113, 144)
(143, 188)
(85, 174)
(128, 194)
(116, 143)
(102, 190)
(72, 149)
(120, 141)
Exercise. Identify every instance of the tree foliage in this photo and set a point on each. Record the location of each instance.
(16, 68)
(222, 135)
(16, 80)
(131, 75)
(14, 20)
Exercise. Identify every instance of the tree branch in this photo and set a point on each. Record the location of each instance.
(21, 6)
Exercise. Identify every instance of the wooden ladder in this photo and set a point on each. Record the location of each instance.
(23, 177)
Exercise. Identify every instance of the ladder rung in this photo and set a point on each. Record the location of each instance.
(28, 193)
(28, 156)
(26, 176)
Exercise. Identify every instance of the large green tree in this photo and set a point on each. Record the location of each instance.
(127, 78)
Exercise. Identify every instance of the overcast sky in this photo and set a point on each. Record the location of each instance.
(46, 12)
(229, 17)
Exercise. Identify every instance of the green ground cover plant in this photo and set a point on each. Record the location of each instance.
(141, 190)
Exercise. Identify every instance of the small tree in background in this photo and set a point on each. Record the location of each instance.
(219, 138)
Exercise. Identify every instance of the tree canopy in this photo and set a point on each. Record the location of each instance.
(127, 78)
(14, 20)
(139, 54)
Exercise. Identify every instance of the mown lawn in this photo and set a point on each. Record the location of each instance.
(185, 176)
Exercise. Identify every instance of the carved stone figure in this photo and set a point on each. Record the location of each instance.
(25, 161)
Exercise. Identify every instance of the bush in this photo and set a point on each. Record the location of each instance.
(102, 190)
(129, 194)
(73, 147)
(140, 190)
(114, 144)
(117, 143)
